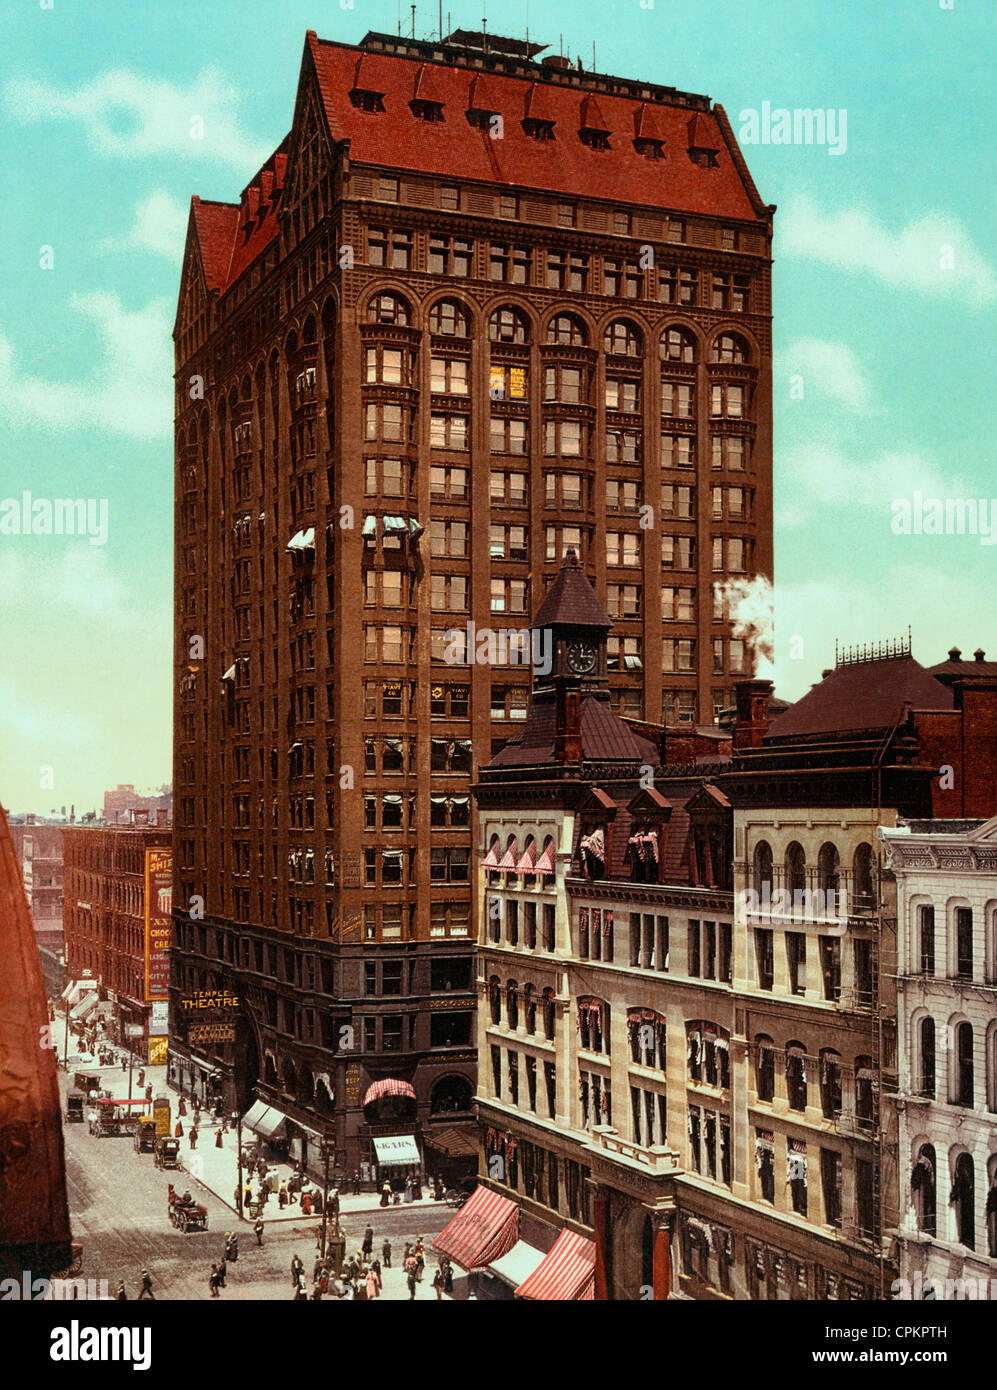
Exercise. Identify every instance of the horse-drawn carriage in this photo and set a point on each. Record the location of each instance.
(186, 1214)
(167, 1151)
(116, 1116)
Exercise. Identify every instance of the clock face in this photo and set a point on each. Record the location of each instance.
(581, 657)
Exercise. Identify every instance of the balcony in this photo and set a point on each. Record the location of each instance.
(656, 1162)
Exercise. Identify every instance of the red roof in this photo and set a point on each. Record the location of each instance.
(396, 139)
(232, 235)
(862, 695)
(215, 224)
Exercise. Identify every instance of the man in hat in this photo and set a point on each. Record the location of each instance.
(147, 1286)
(258, 1228)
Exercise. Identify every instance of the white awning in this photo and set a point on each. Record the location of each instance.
(516, 1267)
(369, 526)
(397, 1150)
(230, 673)
(302, 540)
(264, 1120)
(86, 1005)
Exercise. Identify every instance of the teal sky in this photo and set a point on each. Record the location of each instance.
(885, 285)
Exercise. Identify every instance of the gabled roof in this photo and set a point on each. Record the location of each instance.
(215, 225)
(703, 134)
(231, 235)
(591, 117)
(605, 738)
(396, 139)
(648, 124)
(864, 695)
(571, 600)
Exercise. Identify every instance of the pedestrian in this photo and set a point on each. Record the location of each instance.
(222, 1271)
(386, 1253)
(296, 1268)
(121, 1290)
(141, 1076)
(408, 1189)
(258, 1228)
(181, 1107)
(147, 1286)
(317, 1269)
(410, 1280)
(213, 1281)
(438, 1282)
(447, 1277)
(233, 1246)
(316, 1291)
(235, 1198)
(373, 1287)
(193, 1137)
(247, 1196)
(299, 1289)
(360, 1290)
(178, 1132)
(437, 1189)
(385, 1193)
(148, 1093)
(306, 1203)
(124, 1064)
(406, 1253)
(282, 1197)
(356, 1183)
(420, 1259)
(218, 1138)
(367, 1248)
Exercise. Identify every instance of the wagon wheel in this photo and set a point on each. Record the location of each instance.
(76, 1268)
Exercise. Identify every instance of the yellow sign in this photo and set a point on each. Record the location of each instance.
(158, 1048)
(161, 1109)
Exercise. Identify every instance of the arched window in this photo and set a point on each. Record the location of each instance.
(507, 325)
(646, 1030)
(269, 1070)
(923, 1186)
(764, 1067)
(530, 1007)
(449, 319)
(865, 1093)
(495, 999)
(992, 1208)
(961, 1083)
(762, 868)
(323, 1098)
(450, 1093)
(925, 1080)
(677, 345)
(862, 889)
(623, 339)
(549, 1013)
(925, 961)
(730, 348)
(796, 1076)
(512, 1003)
(708, 1053)
(388, 308)
(290, 1078)
(962, 932)
(830, 1083)
(567, 330)
(828, 868)
(593, 1024)
(991, 1066)
(796, 869)
(990, 945)
(963, 1199)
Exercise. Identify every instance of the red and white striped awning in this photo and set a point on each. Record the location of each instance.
(388, 1087)
(566, 1272)
(484, 1229)
(508, 860)
(545, 864)
(595, 844)
(491, 859)
(528, 863)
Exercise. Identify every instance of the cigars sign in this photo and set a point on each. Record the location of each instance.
(158, 906)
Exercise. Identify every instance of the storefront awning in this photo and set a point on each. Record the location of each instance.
(566, 1272)
(86, 1006)
(75, 989)
(456, 1143)
(397, 1151)
(264, 1120)
(302, 540)
(484, 1229)
(545, 864)
(389, 1086)
(518, 1264)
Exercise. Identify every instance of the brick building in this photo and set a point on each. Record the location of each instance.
(126, 806)
(39, 849)
(105, 924)
(467, 283)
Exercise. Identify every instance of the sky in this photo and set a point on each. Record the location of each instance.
(884, 291)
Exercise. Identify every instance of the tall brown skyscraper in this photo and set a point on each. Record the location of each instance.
(478, 308)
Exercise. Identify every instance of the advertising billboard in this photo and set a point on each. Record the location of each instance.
(158, 905)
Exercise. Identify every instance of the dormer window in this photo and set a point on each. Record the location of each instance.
(650, 149)
(595, 139)
(706, 159)
(426, 110)
(538, 129)
(702, 150)
(365, 100)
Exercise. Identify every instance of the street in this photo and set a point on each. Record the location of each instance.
(117, 1203)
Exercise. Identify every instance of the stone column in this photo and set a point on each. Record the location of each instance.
(663, 1223)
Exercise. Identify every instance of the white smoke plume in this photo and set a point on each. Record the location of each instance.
(751, 605)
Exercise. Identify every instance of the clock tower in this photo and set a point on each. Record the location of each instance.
(569, 648)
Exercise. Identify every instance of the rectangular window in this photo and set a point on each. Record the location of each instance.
(693, 957)
(830, 1177)
(764, 958)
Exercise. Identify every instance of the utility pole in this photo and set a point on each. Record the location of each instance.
(238, 1142)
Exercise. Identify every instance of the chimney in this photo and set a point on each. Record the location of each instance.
(955, 654)
(751, 720)
(979, 654)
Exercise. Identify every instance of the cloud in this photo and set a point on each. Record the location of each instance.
(933, 254)
(160, 226)
(130, 392)
(830, 369)
(822, 475)
(126, 114)
(810, 614)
